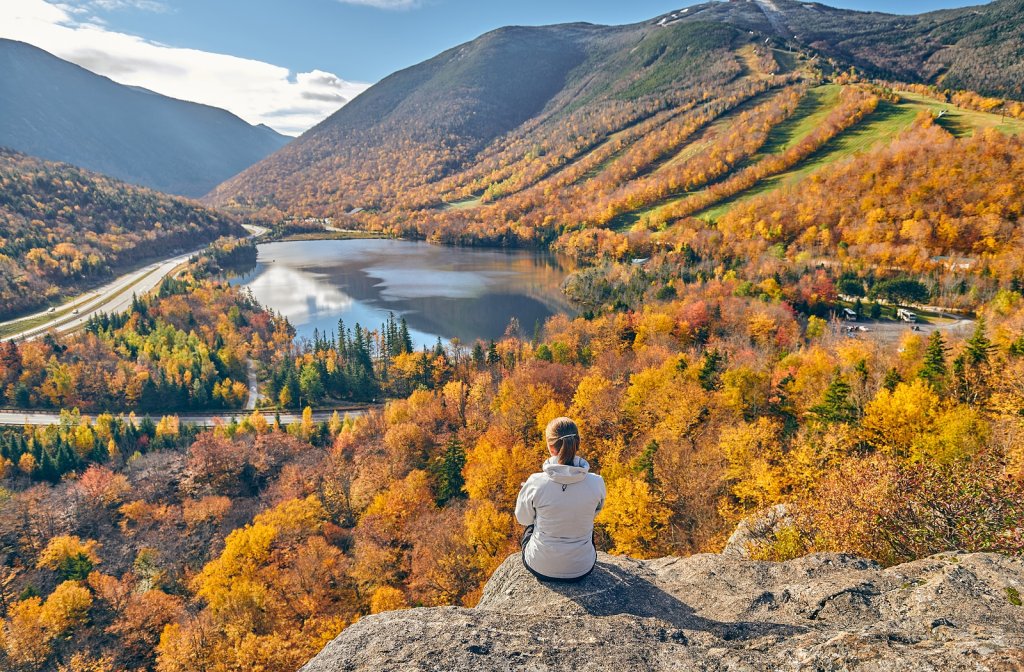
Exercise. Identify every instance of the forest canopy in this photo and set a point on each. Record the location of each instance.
(63, 228)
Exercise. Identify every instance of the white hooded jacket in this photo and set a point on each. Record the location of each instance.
(561, 502)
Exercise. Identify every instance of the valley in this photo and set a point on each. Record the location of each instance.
(768, 256)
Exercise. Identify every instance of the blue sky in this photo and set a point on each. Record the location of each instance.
(366, 43)
(289, 64)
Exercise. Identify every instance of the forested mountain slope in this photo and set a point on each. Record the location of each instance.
(583, 113)
(62, 227)
(549, 84)
(59, 111)
(973, 48)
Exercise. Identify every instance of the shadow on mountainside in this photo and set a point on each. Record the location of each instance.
(610, 591)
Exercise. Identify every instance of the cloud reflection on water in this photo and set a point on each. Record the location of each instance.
(442, 291)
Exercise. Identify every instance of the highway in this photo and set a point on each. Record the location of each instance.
(42, 418)
(117, 296)
(113, 297)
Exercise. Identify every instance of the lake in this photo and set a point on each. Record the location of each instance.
(446, 292)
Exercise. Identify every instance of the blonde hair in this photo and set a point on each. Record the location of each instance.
(562, 433)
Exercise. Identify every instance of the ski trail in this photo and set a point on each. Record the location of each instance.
(772, 12)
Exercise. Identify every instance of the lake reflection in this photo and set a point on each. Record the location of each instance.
(442, 291)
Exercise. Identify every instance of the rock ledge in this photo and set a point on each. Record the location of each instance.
(951, 611)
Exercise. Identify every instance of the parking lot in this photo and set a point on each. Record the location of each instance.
(891, 331)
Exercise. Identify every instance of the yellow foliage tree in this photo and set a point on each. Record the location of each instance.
(32, 624)
(84, 439)
(894, 421)
(230, 583)
(595, 407)
(66, 607)
(755, 470)
(487, 533)
(83, 662)
(387, 598)
(168, 426)
(633, 515)
(386, 531)
(25, 638)
(61, 549)
(495, 473)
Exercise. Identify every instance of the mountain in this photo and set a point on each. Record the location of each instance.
(976, 48)
(59, 111)
(709, 612)
(424, 122)
(478, 120)
(63, 228)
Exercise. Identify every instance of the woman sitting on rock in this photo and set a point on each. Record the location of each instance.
(558, 506)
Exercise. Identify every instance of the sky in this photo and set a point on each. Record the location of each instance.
(291, 63)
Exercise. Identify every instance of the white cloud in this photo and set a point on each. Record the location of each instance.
(385, 4)
(260, 93)
(142, 5)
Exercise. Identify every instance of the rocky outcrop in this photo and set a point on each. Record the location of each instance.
(712, 612)
(757, 530)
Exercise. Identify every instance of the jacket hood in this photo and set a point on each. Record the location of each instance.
(564, 473)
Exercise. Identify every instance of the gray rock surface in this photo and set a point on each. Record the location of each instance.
(712, 612)
(757, 529)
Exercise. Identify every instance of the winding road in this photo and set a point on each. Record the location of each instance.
(41, 418)
(113, 297)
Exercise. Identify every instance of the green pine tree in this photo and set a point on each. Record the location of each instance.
(404, 337)
(861, 368)
(492, 354)
(449, 475)
(978, 348)
(892, 379)
(835, 407)
(644, 462)
(478, 355)
(710, 367)
(934, 369)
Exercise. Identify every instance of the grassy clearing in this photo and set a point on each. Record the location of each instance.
(788, 60)
(699, 141)
(464, 204)
(662, 118)
(888, 121)
(748, 59)
(961, 122)
(25, 324)
(598, 169)
(706, 137)
(813, 110)
(814, 107)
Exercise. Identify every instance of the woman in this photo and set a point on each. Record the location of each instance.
(558, 506)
